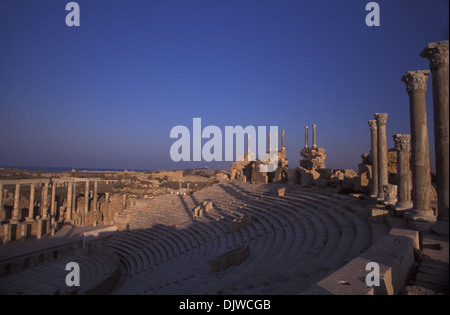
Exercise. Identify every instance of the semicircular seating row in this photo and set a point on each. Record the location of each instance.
(49, 278)
(294, 241)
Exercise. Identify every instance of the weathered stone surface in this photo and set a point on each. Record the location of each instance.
(230, 258)
(281, 191)
(313, 158)
(240, 223)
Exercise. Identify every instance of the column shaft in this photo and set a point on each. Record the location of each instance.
(53, 201)
(306, 137)
(44, 201)
(403, 171)
(95, 195)
(314, 136)
(381, 119)
(86, 201)
(438, 54)
(416, 87)
(69, 201)
(374, 157)
(1, 203)
(31, 205)
(15, 214)
(107, 208)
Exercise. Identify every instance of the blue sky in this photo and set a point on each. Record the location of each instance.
(106, 94)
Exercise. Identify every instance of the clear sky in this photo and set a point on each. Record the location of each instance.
(107, 93)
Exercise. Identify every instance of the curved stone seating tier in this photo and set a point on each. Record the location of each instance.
(95, 269)
(294, 240)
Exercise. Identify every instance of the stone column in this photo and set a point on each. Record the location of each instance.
(31, 205)
(53, 201)
(306, 137)
(5, 233)
(53, 209)
(403, 167)
(69, 201)
(107, 208)
(416, 86)
(74, 197)
(95, 195)
(86, 202)
(437, 53)
(381, 119)
(314, 136)
(44, 201)
(270, 147)
(374, 157)
(15, 214)
(282, 141)
(1, 203)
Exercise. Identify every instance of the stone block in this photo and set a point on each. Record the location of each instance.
(380, 214)
(282, 192)
(230, 258)
(394, 255)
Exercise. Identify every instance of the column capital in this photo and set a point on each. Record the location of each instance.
(437, 53)
(373, 125)
(416, 80)
(381, 118)
(402, 142)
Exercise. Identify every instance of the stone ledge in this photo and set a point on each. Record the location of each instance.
(395, 255)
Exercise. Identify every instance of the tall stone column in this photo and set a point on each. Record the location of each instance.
(437, 53)
(107, 208)
(1, 203)
(15, 214)
(95, 195)
(403, 167)
(44, 201)
(282, 141)
(314, 145)
(306, 137)
(53, 201)
(416, 86)
(374, 157)
(86, 201)
(381, 119)
(31, 205)
(69, 201)
(270, 146)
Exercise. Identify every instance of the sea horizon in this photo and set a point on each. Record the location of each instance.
(59, 169)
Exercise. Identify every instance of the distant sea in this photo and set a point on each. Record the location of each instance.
(53, 169)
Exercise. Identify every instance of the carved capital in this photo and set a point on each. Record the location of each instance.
(381, 118)
(437, 53)
(416, 80)
(402, 142)
(373, 125)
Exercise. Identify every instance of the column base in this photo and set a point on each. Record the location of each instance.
(421, 216)
(441, 228)
(381, 197)
(420, 220)
(403, 205)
